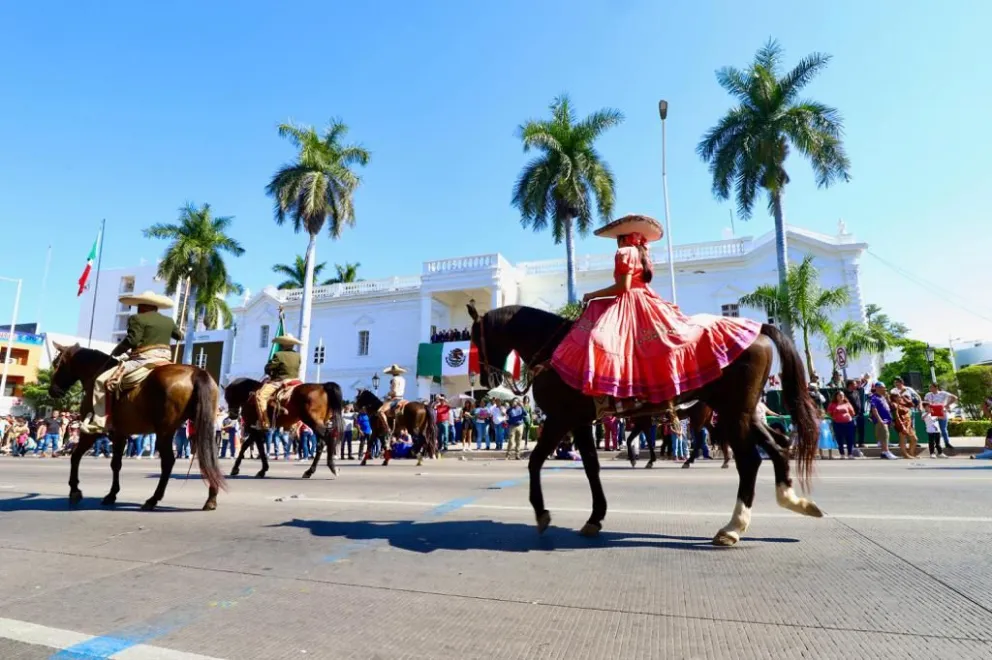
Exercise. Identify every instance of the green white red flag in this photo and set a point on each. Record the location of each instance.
(85, 277)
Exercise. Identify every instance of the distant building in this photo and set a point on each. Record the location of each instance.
(972, 353)
(109, 316)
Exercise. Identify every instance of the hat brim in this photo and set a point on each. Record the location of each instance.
(632, 224)
(394, 370)
(146, 298)
(287, 340)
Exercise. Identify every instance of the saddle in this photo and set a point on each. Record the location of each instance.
(285, 393)
(121, 382)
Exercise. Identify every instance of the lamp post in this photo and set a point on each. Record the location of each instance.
(663, 113)
(10, 335)
(930, 355)
(375, 382)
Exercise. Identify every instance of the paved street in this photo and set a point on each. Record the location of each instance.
(443, 561)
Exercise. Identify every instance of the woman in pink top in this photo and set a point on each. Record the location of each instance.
(842, 413)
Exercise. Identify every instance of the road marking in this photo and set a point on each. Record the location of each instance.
(434, 506)
(57, 638)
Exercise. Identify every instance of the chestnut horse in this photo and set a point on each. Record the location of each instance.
(311, 403)
(416, 418)
(534, 334)
(171, 395)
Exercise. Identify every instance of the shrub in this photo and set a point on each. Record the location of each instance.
(970, 428)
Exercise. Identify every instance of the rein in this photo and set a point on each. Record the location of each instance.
(529, 373)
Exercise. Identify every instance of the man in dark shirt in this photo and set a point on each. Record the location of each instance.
(856, 397)
(53, 433)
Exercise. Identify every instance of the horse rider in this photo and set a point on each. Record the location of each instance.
(146, 345)
(397, 386)
(284, 365)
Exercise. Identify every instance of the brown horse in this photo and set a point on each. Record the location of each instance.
(416, 418)
(313, 404)
(534, 334)
(171, 395)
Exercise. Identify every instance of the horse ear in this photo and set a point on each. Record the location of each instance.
(59, 348)
(472, 311)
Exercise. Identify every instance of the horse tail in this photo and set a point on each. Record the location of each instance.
(335, 403)
(202, 411)
(798, 403)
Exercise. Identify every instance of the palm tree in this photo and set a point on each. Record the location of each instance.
(198, 243)
(315, 189)
(747, 149)
(801, 302)
(345, 274)
(558, 186)
(211, 303)
(297, 273)
(856, 338)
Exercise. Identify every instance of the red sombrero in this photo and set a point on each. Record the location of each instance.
(649, 228)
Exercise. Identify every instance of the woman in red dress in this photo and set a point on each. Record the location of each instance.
(629, 343)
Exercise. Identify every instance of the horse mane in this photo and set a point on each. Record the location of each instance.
(533, 326)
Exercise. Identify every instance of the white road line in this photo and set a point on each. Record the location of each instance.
(650, 512)
(56, 638)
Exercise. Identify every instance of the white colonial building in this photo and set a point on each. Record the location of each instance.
(365, 326)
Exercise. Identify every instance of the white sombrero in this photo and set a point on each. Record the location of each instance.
(649, 228)
(394, 370)
(287, 340)
(146, 298)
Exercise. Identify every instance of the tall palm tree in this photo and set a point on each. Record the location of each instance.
(316, 189)
(345, 274)
(747, 149)
(296, 273)
(801, 302)
(561, 185)
(857, 339)
(211, 303)
(198, 244)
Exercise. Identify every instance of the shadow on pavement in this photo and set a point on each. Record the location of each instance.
(39, 502)
(498, 536)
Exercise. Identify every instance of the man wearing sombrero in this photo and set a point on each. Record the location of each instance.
(283, 366)
(397, 386)
(631, 347)
(146, 345)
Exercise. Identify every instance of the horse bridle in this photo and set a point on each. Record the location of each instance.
(527, 374)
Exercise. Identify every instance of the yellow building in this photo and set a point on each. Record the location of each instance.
(23, 362)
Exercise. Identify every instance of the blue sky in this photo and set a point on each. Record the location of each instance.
(124, 111)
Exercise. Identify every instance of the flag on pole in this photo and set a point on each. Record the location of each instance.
(280, 331)
(453, 358)
(85, 277)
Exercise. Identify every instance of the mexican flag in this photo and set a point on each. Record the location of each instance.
(456, 358)
(85, 277)
(280, 331)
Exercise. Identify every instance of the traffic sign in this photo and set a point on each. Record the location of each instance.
(841, 357)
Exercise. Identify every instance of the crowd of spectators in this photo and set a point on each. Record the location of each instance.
(442, 336)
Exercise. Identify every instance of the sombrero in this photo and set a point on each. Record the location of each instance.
(649, 228)
(394, 370)
(287, 340)
(146, 298)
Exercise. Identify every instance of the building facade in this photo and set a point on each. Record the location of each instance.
(365, 326)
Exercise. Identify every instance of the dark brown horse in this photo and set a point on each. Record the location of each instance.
(316, 405)
(171, 395)
(534, 334)
(415, 418)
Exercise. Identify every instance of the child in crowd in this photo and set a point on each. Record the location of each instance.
(933, 431)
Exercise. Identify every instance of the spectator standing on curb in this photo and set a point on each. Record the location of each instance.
(468, 426)
(528, 420)
(349, 434)
(882, 416)
(228, 429)
(902, 422)
(515, 422)
(53, 433)
(940, 401)
(856, 397)
(933, 432)
(442, 412)
(842, 413)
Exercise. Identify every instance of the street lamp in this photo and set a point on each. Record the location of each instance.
(10, 336)
(930, 355)
(375, 382)
(663, 113)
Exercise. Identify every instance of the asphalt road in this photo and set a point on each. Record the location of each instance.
(443, 561)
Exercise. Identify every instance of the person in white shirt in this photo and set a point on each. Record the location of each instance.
(349, 427)
(497, 415)
(933, 432)
(397, 387)
(939, 401)
(902, 389)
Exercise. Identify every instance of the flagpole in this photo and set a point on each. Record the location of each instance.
(44, 288)
(96, 283)
(182, 316)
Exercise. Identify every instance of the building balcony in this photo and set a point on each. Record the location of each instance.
(353, 289)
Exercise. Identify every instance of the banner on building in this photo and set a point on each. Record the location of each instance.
(455, 358)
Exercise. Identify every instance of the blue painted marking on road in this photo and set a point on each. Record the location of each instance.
(509, 483)
(98, 647)
(449, 506)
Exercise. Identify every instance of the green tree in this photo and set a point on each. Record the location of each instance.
(975, 386)
(560, 186)
(883, 325)
(914, 358)
(317, 189)
(211, 303)
(857, 338)
(345, 274)
(570, 311)
(748, 148)
(296, 273)
(801, 302)
(198, 243)
(37, 394)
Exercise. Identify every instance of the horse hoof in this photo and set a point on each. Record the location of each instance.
(334, 471)
(633, 462)
(75, 497)
(590, 530)
(726, 539)
(686, 465)
(543, 521)
(210, 505)
(235, 472)
(260, 474)
(308, 474)
(649, 464)
(725, 466)
(109, 500)
(149, 505)
(810, 509)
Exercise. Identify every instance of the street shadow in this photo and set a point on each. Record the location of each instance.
(428, 536)
(39, 502)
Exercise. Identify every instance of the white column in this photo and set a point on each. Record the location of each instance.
(426, 302)
(495, 301)
(424, 388)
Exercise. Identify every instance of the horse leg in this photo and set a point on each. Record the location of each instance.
(325, 437)
(167, 455)
(260, 445)
(119, 443)
(551, 435)
(748, 461)
(652, 443)
(319, 441)
(246, 443)
(84, 445)
(784, 494)
(630, 445)
(586, 443)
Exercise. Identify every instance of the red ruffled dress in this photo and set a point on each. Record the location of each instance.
(638, 346)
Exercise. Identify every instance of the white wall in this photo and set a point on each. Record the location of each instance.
(107, 295)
